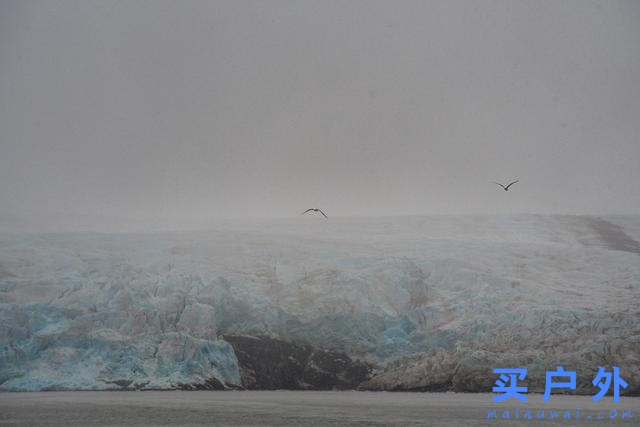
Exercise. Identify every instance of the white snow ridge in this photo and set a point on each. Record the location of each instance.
(428, 303)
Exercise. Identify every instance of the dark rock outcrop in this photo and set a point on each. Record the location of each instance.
(210, 384)
(271, 364)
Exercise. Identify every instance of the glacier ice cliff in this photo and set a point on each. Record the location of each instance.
(413, 303)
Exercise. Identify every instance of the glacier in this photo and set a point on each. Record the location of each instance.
(426, 303)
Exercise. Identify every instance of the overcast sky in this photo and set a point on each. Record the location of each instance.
(183, 111)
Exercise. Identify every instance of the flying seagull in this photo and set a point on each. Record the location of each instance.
(314, 210)
(507, 187)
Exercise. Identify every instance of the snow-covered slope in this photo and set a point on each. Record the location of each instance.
(434, 302)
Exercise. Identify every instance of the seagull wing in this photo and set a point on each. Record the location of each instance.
(323, 213)
(498, 184)
(512, 184)
(308, 210)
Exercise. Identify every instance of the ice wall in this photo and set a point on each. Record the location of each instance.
(433, 302)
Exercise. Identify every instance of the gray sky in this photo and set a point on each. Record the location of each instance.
(177, 112)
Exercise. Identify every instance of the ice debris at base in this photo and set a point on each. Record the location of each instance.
(434, 302)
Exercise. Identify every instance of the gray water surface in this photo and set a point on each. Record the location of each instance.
(295, 408)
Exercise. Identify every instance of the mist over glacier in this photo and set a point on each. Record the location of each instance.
(429, 303)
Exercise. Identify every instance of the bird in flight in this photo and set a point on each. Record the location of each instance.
(507, 187)
(314, 210)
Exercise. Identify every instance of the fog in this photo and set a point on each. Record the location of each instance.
(117, 115)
